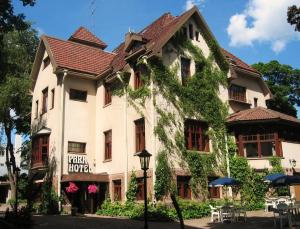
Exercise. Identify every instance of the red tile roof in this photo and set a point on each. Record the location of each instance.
(238, 62)
(155, 34)
(85, 36)
(78, 53)
(260, 113)
(78, 57)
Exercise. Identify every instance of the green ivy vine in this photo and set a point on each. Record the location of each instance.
(197, 99)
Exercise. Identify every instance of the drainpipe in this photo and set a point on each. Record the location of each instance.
(227, 164)
(61, 126)
(125, 131)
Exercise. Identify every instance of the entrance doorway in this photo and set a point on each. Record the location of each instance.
(87, 202)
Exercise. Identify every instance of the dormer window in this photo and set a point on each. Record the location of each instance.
(46, 62)
(191, 31)
(185, 69)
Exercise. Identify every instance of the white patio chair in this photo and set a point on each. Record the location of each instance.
(269, 203)
(214, 212)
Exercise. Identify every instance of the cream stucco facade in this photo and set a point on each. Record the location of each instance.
(69, 120)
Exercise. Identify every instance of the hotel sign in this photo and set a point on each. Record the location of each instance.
(78, 164)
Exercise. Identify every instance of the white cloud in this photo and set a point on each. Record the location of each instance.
(190, 3)
(278, 46)
(263, 21)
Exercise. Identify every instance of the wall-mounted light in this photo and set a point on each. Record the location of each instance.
(293, 163)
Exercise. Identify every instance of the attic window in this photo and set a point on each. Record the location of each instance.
(191, 31)
(197, 36)
(46, 62)
(184, 31)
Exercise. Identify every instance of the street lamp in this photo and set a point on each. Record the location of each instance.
(145, 159)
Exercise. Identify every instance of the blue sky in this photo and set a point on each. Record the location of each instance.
(254, 30)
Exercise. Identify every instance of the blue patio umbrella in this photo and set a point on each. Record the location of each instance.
(286, 181)
(224, 181)
(272, 177)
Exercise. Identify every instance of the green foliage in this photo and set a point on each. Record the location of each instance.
(163, 185)
(293, 16)
(200, 166)
(132, 188)
(284, 82)
(164, 212)
(252, 188)
(158, 212)
(275, 162)
(198, 98)
(49, 200)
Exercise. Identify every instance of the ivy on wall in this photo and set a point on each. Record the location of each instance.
(198, 99)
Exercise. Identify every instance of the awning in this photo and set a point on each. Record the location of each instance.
(90, 177)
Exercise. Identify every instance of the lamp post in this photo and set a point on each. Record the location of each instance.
(144, 160)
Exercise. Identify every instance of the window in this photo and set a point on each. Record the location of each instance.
(237, 93)
(107, 145)
(52, 98)
(195, 135)
(183, 187)
(40, 149)
(107, 94)
(185, 69)
(140, 135)
(255, 102)
(1, 152)
(140, 189)
(184, 31)
(76, 147)
(36, 109)
(259, 145)
(117, 190)
(138, 83)
(78, 95)
(46, 62)
(197, 36)
(45, 101)
(191, 31)
(214, 192)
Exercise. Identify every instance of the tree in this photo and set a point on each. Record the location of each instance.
(283, 81)
(15, 100)
(9, 21)
(293, 16)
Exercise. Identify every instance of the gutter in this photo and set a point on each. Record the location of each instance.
(62, 127)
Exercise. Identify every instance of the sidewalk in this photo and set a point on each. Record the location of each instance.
(256, 219)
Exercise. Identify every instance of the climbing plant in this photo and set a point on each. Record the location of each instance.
(198, 98)
(132, 188)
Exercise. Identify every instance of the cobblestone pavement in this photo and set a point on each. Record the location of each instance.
(257, 219)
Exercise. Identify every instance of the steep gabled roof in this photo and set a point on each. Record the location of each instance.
(238, 62)
(162, 29)
(260, 114)
(82, 35)
(76, 56)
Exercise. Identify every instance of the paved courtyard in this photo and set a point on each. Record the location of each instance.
(258, 219)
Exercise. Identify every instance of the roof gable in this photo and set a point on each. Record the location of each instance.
(83, 36)
(78, 57)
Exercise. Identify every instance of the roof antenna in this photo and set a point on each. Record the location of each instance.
(93, 10)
